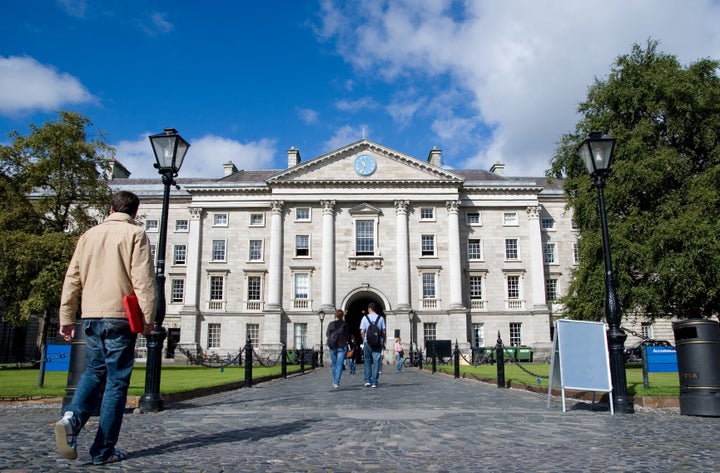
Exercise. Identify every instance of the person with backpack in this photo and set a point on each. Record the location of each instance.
(372, 331)
(338, 334)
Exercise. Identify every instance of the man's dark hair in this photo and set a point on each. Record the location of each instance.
(125, 202)
(373, 306)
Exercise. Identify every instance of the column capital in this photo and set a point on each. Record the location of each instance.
(453, 206)
(328, 206)
(533, 211)
(195, 212)
(401, 206)
(277, 206)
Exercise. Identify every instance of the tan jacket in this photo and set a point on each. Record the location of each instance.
(111, 260)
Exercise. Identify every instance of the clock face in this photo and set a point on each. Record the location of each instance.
(365, 165)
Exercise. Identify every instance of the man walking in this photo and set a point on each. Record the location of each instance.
(338, 334)
(111, 260)
(372, 349)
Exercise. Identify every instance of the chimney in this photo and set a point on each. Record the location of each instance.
(498, 168)
(293, 157)
(229, 168)
(117, 170)
(435, 156)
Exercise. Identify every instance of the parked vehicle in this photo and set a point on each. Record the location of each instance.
(634, 354)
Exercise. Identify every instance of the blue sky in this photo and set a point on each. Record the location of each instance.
(243, 81)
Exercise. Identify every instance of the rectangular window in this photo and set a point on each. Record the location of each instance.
(547, 223)
(474, 249)
(476, 287)
(217, 292)
(510, 219)
(549, 253)
(177, 291)
(213, 336)
(511, 249)
(254, 288)
(302, 285)
(478, 332)
(576, 254)
(427, 243)
(218, 250)
(551, 290)
(646, 329)
(429, 289)
(220, 220)
(364, 237)
(153, 251)
(253, 331)
(427, 213)
(430, 331)
(302, 245)
(515, 334)
(513, 287)
(300, 332)
(257, 220)
(181, 225)
(256, 250)
(179, 254)
(151, 226)
(472, 218)
(302, 214)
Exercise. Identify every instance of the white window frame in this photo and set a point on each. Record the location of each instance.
(479, 253)
(429, 331)
(374, 237)
(426, 217)
(429, 289)
(177, 249)
(550, 253)
(180, 227)
(510, 219)
(516, 334)
(214, 335)
(254, 295)
(547, 224)
(509, 244)
(151, 225)
(301, 287)
(514, 291)
(576, 253)
(260, 216)
(468, 218)
(216, 303)
(478, 335)
(477, 300)
(300, 335)
(177, 294)
(551, 290)
(425, 252)
(299, 249)
(214, 251)
(252, 331)
(220, 219)
(251, 252)
(302, 218)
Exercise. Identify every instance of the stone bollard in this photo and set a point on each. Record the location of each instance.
(283, 361)
(500, 355)
(248, 363)
(456, 359)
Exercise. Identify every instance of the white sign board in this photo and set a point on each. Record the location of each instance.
(580, 358)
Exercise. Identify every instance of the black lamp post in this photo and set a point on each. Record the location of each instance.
(169, 148)
(411, 319)
(597, 152)
(321, 315)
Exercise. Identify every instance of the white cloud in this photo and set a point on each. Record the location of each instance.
(205, 158)
(525, 64)
(74, 8)
(363, 103)
(26, 85)
(345, 135)
(308, 115)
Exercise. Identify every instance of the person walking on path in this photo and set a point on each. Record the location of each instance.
(398, 355)
(352, 353)
(372, 354)
(337, 342)
(111, 260)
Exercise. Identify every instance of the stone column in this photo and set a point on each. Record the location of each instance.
(276, 249)
(327, 297)
(455, 268)
(190, 312)
(536, 252)
(403, 255)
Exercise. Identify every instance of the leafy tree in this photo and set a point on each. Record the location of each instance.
(52, 188)
(663, 194)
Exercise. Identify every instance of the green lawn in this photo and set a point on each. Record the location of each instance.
(661, 384)
(16, 383)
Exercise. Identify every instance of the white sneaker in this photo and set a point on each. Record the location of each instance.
(66, 436)
(367, 385)
(336, 385)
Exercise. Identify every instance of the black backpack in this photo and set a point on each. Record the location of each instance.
(333, 340)
(372, 334)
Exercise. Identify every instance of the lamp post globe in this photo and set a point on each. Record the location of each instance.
(596, 152)
(170, 149)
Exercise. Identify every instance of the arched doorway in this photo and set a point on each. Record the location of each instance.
(357, 308)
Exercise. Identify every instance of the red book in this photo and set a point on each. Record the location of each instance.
(134, 314)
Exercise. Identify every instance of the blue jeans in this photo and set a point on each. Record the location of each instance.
(337, 357)
(350, 362)
(110, 358)
(372, 364)
(398, 362)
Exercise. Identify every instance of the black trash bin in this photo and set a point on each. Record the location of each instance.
(697, 343)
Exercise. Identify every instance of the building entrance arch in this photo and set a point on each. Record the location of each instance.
(356, 309)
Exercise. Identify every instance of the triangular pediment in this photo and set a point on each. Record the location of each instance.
(365, 209)
(350, 165)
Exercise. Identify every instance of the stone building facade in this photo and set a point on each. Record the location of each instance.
(458, 255)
